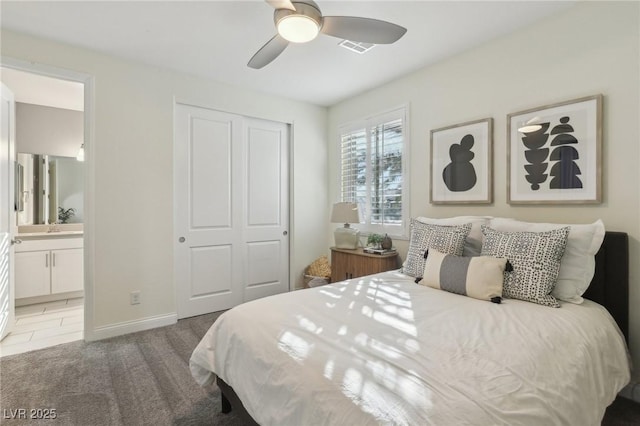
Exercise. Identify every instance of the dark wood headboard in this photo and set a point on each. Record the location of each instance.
(610, 284)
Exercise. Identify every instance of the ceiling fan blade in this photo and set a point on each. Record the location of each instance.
(281, 4)
(365, 30)
(268, 52)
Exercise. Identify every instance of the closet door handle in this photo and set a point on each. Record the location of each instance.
(46, 260)
(53, 260)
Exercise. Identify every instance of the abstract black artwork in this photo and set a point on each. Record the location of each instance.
(565, 171)
(536, 156)
(461, 163)
(460, 175)
(554, 153)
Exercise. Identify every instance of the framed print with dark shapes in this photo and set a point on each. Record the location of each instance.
(461, 163)
(554, 153)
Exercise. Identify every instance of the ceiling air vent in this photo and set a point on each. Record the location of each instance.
(356, 46)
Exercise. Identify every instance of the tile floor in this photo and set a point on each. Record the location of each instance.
(45, 324)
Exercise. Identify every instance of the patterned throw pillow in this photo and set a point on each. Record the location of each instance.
(535, 257)
(578, 263)
(480, 277)
(445, 239)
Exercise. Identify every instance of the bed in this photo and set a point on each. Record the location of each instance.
(382, 350)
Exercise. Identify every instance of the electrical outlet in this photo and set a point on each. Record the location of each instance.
(135, 297)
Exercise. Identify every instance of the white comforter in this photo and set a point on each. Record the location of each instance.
(382, 349)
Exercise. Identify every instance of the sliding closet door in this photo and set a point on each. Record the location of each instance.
(266, 216)
(208, 177)
(231, 203)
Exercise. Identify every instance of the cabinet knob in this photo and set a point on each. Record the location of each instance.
(16, 241)
(182, 239)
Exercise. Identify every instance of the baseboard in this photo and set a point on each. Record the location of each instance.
(127, 327)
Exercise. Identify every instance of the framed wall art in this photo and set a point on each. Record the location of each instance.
(461, 163)
(554, 153)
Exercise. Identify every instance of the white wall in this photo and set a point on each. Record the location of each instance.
(46, 130)
(133, 171)
(591, 48)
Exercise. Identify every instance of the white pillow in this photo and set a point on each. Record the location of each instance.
(473, 244)
(578, 264)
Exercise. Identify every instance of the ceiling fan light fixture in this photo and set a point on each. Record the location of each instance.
(298, 28)
(300, 21)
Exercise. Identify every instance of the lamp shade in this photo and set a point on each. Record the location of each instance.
(345, 213)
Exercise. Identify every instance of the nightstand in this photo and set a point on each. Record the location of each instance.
(347, 264)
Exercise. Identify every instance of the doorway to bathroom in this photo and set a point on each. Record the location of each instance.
(48, 291)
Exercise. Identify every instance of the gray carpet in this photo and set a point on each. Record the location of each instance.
(137, 379)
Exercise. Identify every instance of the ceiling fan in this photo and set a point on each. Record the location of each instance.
(300, 21)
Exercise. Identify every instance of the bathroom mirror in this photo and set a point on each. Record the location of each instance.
(51, 189)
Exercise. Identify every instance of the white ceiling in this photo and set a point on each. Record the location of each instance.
(41, 90)
(215, 39)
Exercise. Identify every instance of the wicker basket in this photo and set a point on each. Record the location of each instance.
(313, 281)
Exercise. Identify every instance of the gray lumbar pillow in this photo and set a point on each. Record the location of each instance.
(480, 277)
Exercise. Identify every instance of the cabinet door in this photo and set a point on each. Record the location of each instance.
(372, 265)
(339, 266)
(67, 270)
(363, 265)
(32, 273)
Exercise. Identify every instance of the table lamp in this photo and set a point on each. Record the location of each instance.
(346, 237)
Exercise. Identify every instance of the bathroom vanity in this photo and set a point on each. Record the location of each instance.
(49, 265)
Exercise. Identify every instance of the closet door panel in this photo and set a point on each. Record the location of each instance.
(208, 210)
(266, 223)
(210, 173)
(231, 209)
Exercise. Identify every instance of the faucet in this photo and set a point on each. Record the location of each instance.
(53, 227)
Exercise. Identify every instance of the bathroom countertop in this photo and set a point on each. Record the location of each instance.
(54, 234)
(50, 231)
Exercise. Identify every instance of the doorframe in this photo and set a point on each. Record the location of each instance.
(88, 81)
(290, 147)
(12, 225)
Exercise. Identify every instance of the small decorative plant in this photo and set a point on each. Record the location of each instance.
(65, 215)
(374, 240)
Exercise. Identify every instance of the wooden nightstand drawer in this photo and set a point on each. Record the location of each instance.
(347, 264)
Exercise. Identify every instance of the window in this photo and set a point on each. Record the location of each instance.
(374, 173)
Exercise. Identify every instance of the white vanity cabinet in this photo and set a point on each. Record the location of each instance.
(33, 276)
(67, 273)
(49, 266)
